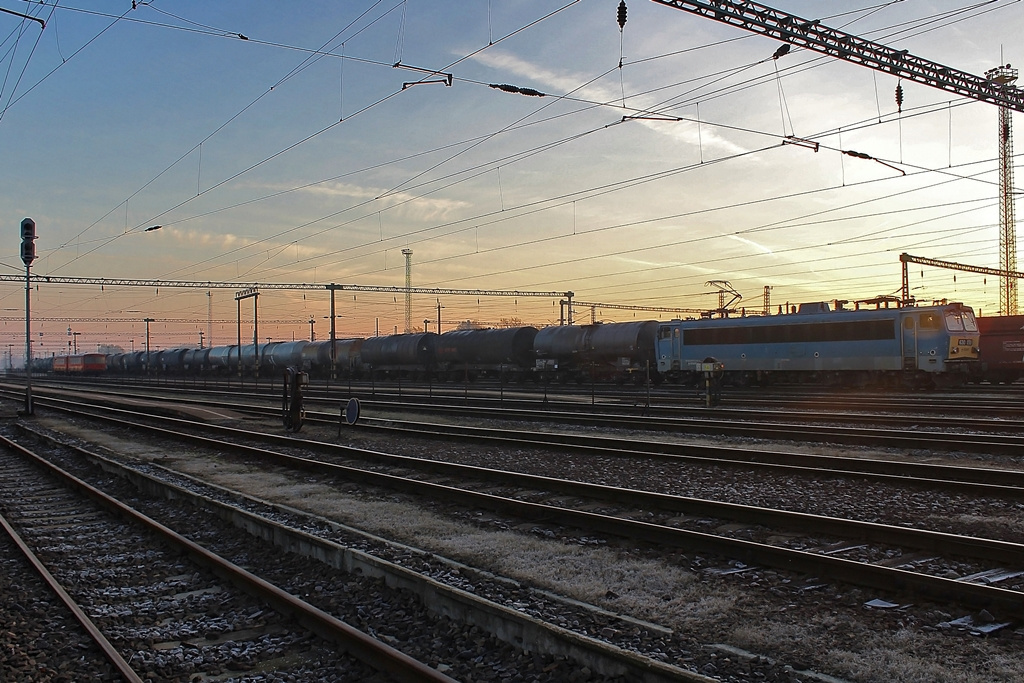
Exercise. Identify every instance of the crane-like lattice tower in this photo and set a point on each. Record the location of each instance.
(1005, 75)
(408, 289)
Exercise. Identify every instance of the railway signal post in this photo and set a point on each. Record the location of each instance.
(713, 371)
(28, 255)
(292, 409)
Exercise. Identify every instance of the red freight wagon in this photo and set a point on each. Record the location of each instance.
(1002, 347)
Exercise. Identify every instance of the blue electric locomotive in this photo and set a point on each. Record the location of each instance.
(912, 345)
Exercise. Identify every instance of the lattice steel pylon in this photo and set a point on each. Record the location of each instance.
(408, 289)
(1005, 75)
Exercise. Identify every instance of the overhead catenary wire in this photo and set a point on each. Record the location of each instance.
(222, 127)
(747, 231)
(483, 137)
(596, 191)
(317, 133)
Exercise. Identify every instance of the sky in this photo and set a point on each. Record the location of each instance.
(278, 143)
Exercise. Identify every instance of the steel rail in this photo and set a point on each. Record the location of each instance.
(739, 417)
(985, 481)
(1003, 444)
(858, 573)
(108, 649)
(786, 409)
(454, 602)
(783, 409)
(989, 481)
(360, 645)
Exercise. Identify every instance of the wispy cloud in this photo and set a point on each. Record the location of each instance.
(557, 83)
(760, 247)
(228, 241)
(406, 204)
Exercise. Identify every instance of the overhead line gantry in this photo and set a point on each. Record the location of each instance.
(949, 265)
(811, 35)
(304, 286)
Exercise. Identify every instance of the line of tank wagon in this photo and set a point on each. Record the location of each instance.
(936, 344)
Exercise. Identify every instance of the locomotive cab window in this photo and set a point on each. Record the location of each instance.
(953, 322)
(958, 321)
(930, 321)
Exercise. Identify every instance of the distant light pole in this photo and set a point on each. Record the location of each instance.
(334, 359)
(312, 334)
(334, 337)
(147, 321)
(439, 307)
(75, 335)
(132, 340)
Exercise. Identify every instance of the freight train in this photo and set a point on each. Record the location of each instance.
(923, 345)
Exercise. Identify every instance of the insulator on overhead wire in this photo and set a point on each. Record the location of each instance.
(622, 14)
(505, 87)
(859, 155)
(783, 49)
(899, 97)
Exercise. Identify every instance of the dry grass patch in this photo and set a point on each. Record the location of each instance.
(857, 653)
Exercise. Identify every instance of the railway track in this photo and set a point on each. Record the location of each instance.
(162, 606)
(930, 558)
(606, 660)
(991, 437)
(961, 408)
(996, 481)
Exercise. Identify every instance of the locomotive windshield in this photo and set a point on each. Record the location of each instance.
(961, 321)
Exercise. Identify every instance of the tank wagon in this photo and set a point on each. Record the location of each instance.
(316, 357)
(506, 353)
(134, 362)
(1002, 348)
(196, 361)
(169, 361)
(617, 351)
(280, 355)
(222, 359)
(910, 345)
(400, 355)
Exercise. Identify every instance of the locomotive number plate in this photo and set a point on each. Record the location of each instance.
(964, 342)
